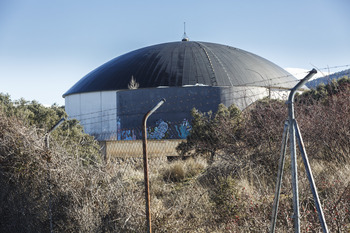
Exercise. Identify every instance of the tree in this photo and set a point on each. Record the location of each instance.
(212, 132)
(70, 134)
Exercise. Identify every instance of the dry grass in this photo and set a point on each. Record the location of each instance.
(234, 193)
(181, 170)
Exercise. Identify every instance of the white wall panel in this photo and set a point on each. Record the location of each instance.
(72, 105)
(109, 112)
(96, 112)
(90, 108)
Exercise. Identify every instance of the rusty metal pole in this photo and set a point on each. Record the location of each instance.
(145, 163)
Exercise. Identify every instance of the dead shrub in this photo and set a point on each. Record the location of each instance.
(183, 169)
(195, 166)
(175, 173)
(234, 193)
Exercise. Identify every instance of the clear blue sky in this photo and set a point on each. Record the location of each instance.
(46, 46)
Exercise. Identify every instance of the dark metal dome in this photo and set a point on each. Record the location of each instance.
(185, 63)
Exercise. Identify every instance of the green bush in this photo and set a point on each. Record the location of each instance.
(69, 135)
(212, 132)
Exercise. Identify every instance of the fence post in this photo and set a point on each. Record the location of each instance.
(295, 137)
(145, 163)
(47, 146)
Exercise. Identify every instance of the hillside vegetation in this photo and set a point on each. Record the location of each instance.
(328, 78)
(226, 184)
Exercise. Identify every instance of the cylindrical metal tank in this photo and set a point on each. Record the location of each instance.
(189, 74)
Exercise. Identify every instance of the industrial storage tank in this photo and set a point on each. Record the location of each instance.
(111, 100)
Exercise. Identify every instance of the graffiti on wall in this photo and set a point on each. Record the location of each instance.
(162, 130)
(118, 129)
(125, 134)
(183, 130)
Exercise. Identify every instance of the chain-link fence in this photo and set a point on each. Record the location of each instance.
(119, 129)
(163, 138)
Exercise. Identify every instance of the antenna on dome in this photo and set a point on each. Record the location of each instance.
(184, 37)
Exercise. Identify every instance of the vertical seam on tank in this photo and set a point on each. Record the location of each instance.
(195, 67)
(222, 65)
(183, 66)
(212, 79)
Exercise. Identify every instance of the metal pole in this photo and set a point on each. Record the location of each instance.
(47, 143)
(50, 195)
(294, 132)
(145, 164)
(47, 146)
(279, 177)
(310, 177)
(300, 84)
(294, 165)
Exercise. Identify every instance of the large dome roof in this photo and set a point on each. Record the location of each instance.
(185, 63)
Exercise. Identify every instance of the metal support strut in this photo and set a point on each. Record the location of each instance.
(145, 163)
(292, 128)
(47, 146)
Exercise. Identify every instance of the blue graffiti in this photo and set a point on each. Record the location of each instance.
(183, 130)
(162, 130)
(125, 134)
(159, 131)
